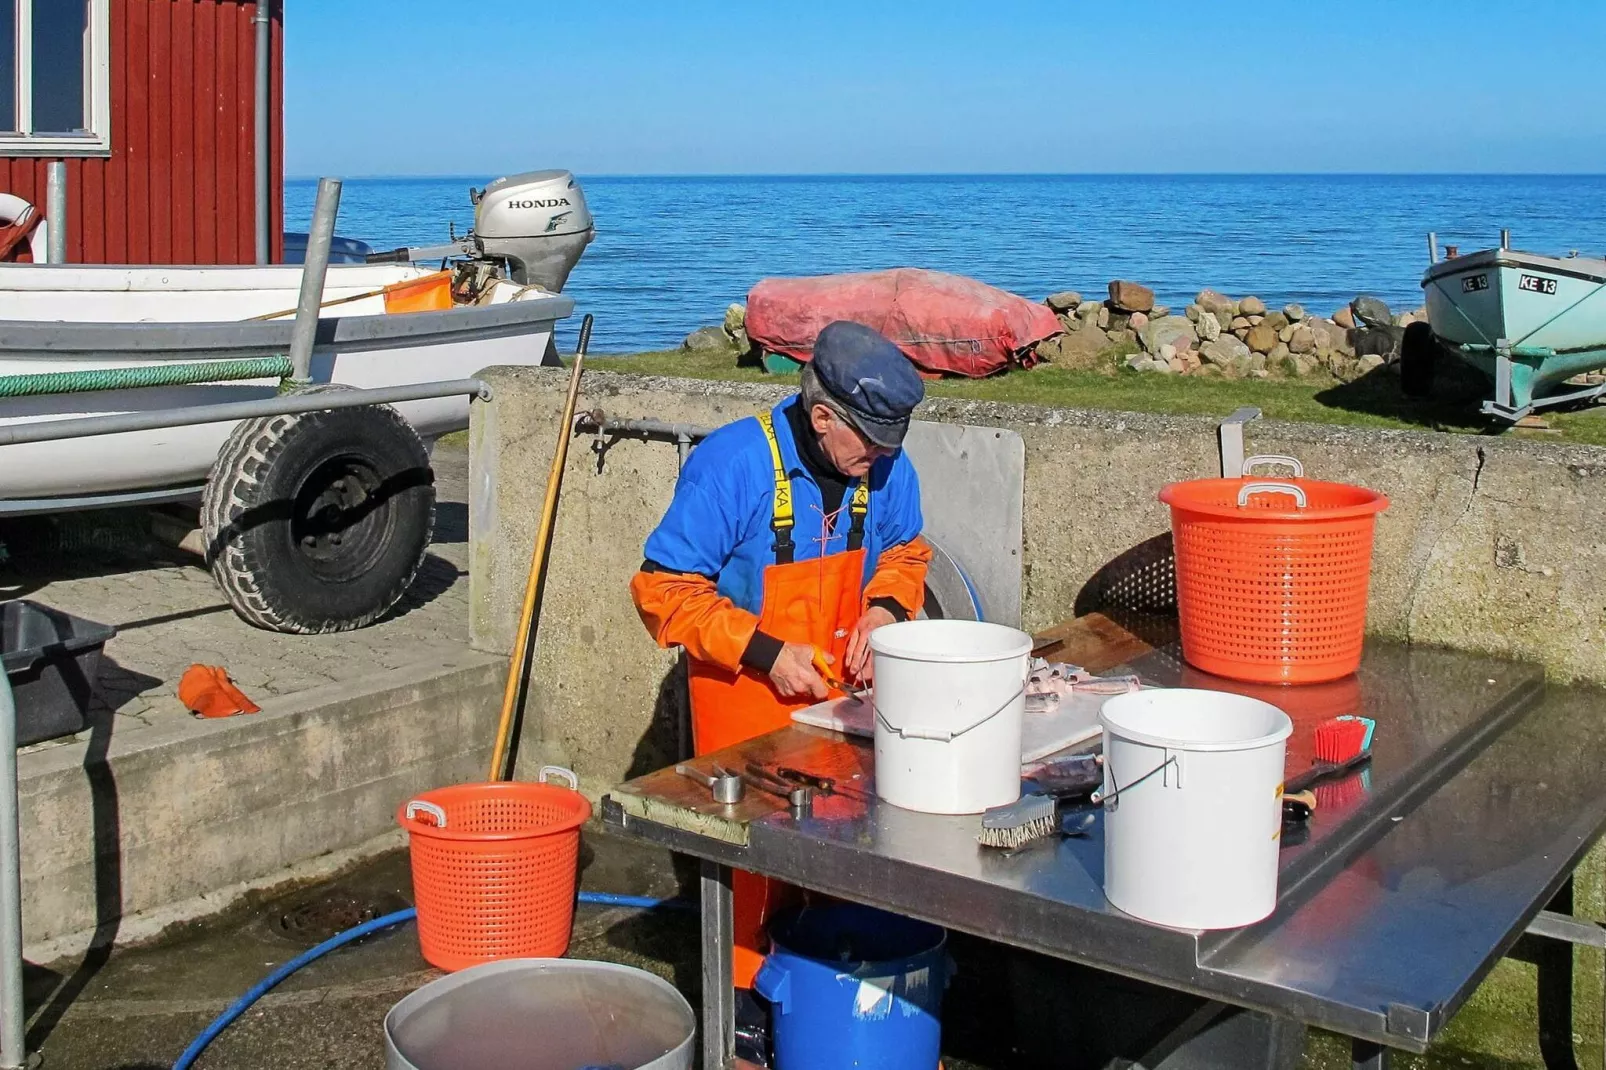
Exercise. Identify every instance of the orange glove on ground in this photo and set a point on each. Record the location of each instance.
(208, 691)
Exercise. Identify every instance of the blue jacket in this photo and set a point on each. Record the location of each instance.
(719, 522)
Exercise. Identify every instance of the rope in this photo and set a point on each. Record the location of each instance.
(74, 382)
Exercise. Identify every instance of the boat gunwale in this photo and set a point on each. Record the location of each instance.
(223, 278)
(1486, 259)
(46, 340)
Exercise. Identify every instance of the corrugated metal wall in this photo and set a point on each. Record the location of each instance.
(180, 185)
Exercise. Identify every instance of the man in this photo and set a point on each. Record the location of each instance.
(790, 534)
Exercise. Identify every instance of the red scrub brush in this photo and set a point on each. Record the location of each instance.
(1343, 745)
(1342, 738)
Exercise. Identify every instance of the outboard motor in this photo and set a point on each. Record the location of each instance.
(537, 222)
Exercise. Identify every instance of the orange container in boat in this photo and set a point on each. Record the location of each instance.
(495, 868)
(1272, 576)
(430, 293)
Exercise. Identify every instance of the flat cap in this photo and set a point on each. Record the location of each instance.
(870, 377)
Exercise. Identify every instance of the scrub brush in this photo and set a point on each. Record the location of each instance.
(1029, 819)
(1036, 815)
(1342, 738)
(1343, 745)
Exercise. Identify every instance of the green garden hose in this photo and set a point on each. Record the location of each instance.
(75, 382)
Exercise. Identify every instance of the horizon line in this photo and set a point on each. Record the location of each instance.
(312, 177)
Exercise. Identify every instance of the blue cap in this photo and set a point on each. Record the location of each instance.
(870, 377)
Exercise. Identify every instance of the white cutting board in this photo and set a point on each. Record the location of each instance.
(1074, 720)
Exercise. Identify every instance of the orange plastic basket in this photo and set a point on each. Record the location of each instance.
(1272, 576)
(494, 869)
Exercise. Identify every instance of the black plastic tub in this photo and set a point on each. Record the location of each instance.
(52, 660)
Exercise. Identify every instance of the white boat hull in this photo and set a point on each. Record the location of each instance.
(359, 347)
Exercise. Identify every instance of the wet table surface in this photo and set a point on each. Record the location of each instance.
(1484, 792)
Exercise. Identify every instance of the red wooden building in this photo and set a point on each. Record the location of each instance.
(152, 104)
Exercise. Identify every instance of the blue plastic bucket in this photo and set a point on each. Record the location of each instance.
(852, 986)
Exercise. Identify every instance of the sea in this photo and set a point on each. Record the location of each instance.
(672, 252)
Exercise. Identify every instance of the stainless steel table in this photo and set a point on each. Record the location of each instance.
(1484, 792)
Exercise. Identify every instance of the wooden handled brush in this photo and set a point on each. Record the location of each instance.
(1343, 745)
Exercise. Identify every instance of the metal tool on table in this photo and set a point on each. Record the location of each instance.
(725, 786)
(823, 784)
(800, 797)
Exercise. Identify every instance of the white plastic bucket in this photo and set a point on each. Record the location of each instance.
(948, 697)
(1193, 806)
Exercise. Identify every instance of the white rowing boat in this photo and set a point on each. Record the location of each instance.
(312, 520)
(69, 318)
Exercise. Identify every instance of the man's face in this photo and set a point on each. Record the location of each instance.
(848, 450)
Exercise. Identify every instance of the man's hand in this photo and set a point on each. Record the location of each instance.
(857, 660)
(794, 675)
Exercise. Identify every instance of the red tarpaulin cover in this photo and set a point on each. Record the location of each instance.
(944, 323)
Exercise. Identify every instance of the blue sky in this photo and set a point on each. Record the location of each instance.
(433, 87)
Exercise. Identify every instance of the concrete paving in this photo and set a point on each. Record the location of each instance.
(153, 815)
(139, 1008)
(169, 614)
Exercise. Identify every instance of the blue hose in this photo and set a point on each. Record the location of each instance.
(640, 902)
(262, 987)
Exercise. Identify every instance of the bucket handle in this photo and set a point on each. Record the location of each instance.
(943, 735)
(557, 771)
(774, 983)
(1273, 458)
(1111, 800)
(419, 805)
(1247, 489)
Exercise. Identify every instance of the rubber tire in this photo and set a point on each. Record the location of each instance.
(247, 517)
(1419, 353)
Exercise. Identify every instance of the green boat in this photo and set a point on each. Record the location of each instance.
(1536, 325)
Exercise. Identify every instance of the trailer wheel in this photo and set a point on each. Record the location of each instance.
(318, 521)
(1419, 352)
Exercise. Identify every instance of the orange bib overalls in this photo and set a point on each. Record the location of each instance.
(815, 602)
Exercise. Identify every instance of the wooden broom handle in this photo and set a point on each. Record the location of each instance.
(532, 585)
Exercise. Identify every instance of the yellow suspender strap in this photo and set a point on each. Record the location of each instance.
(781, 520)
(859, 506)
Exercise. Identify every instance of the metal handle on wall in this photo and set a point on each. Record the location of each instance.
(1248, 489)
(1274, 458)
(565, 775)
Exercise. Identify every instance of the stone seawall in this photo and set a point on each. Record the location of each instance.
(1214, 336)
(1489, 545)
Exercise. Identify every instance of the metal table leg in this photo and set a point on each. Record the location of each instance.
(719, 993)
(1366, 1055)
(1549, 944)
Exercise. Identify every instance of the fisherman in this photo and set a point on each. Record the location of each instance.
(791, 535)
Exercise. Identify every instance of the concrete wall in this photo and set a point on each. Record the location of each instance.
(112, 830)
(1496, 545)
